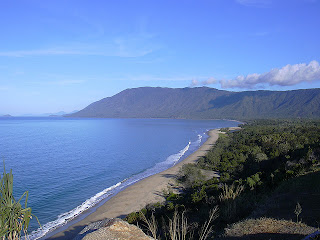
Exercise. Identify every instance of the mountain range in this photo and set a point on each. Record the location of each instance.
(205, 103)
(56, 114)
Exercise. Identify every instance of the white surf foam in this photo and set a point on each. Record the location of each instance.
(65, 217)
(159, 167)
(199, 139)
(174, 158)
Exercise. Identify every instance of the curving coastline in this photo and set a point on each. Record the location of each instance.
(138, 195)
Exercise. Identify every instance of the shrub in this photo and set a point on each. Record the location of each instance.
(13, 217)
(190, 175)
(198, 195)
(132, 217)
(254, 180)
(170, 206)
(172, 196)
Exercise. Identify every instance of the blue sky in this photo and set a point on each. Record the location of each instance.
(63, 55)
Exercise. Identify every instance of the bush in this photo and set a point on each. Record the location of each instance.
(13, 217)
(190, 175)
(132, 217)
(199, 195)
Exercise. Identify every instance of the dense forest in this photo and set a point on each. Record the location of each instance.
(254, 163)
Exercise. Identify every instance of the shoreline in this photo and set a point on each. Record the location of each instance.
(136, 196)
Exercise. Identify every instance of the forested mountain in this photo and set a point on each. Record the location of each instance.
(205, 103)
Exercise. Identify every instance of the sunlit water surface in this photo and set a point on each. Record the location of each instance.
(68, 165)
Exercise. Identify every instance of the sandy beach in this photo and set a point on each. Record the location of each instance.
(138, 195)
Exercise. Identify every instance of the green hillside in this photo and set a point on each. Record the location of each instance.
(268, 186)
(205, 103)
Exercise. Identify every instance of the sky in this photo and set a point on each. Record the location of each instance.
(62, 55)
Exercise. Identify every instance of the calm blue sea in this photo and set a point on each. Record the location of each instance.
(68, 165)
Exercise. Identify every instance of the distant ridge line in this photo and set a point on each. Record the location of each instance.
(205, 103)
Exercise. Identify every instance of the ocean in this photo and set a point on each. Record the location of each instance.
(69, 165)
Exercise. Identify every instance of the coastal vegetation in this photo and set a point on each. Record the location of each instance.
(270, 168)
(14, 218)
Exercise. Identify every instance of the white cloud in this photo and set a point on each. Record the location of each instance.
(255, 3)
(286, 76)
(194, 82)
(210, 80)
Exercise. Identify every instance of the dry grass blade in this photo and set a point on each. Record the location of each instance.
(150, 224)
(230, 192)
(173, 226)
(228, 200)
(206, 228)
(178, 226)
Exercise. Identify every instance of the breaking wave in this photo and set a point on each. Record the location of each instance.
(64, 218)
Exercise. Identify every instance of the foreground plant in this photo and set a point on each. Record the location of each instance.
(178, 227)
(13, 217)
(150, 224)
(228, 199)
(298, 211)
(206, 229)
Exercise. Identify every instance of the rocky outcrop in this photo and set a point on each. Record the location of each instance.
(112, 229)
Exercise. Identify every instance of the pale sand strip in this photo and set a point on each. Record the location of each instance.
(138, 195)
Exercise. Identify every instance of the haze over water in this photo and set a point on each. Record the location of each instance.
(68, 165)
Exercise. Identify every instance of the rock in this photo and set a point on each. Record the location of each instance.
(112, 229)
(92, 227)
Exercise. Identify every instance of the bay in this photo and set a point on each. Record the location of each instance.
(68, 165)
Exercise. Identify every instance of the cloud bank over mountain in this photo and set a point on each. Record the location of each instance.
(196, 82)
(288, 75)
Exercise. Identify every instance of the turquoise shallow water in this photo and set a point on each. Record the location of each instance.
(68, 165)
